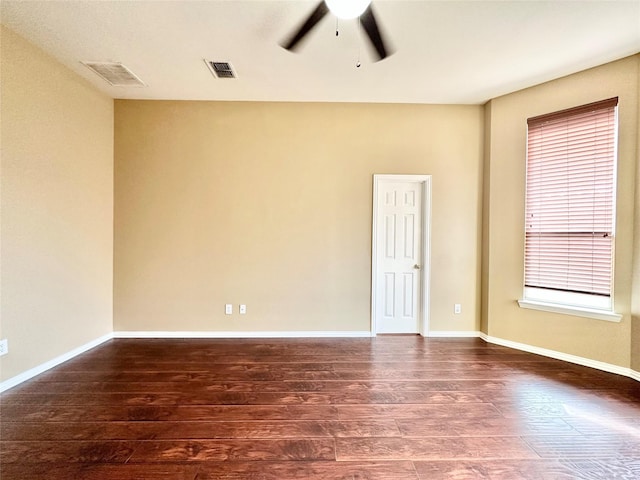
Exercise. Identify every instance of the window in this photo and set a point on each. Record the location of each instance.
(570, 207)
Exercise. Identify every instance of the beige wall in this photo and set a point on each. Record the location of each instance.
(485, 234)
(595, 339)
(57, 208)
(635, 326)
(269, 204)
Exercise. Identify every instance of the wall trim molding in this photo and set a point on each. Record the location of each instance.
(247, 334)
(453, 334)
(43, 367)
(566, 357)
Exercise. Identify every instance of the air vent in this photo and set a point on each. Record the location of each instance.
(116, 74)
(221, 69)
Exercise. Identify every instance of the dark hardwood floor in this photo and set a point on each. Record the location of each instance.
(388, 408)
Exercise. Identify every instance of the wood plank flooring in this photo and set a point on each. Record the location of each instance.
(388, 408)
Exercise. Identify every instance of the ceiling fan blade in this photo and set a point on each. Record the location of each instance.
(318, 14)
(368, 21)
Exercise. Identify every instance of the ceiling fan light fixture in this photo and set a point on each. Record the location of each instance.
(347, 9)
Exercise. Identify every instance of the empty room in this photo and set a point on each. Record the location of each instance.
(320, 240)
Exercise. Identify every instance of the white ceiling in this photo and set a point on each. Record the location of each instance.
(445, 51)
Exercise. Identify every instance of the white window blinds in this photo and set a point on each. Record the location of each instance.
(570, 199)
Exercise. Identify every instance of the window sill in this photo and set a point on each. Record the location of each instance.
(570, 310)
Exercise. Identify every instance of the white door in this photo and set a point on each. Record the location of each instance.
(398, 247)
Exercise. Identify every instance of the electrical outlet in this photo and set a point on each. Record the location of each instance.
(4, 347)
(243, 309)
(228, 309)
(457, 308)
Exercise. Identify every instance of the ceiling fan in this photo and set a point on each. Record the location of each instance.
(345, 9)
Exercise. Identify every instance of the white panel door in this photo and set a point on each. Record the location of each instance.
(399, 257)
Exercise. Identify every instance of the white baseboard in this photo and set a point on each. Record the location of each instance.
(24, 376)
(566, 357)
(453, 334)
(214, 334)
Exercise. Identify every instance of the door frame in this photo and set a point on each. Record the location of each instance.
(425, 271)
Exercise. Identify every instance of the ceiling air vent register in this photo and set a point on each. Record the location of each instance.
(221, 69)
(115, 73)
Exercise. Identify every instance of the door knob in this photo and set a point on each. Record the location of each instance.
(416, 266)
